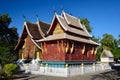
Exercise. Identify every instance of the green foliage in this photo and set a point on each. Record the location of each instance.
(86, 22)
(108, 42)
(8, 40)
(119, 39)
(7, 71)
(116, 53)
(1, 72)
(99, 51)
(10, 69)
(4, 55)
(5, 20)
(97, 40)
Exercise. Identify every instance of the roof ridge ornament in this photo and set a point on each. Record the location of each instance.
(63, 12)
(37, 18)
(54, 10)
(62, 9)
(24, 18)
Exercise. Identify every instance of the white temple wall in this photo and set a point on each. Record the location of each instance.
(107, 59)
(65, 72)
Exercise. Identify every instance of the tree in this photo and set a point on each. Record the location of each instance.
(108, 42)
(119, 40)
(97, 40)
(8, 40)
(86, 22)
(116, 53)
(99, 51)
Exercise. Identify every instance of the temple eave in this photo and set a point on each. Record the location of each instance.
(66, 36)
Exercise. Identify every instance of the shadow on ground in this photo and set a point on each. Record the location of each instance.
(109, 75)
(20, 75)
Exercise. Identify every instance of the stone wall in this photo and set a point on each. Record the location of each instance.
(72, 70)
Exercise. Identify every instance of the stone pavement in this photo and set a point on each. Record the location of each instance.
(106, 75)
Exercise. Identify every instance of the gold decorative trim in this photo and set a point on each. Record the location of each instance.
(46, 65)
(72, 48)
(23, 56)
(95, 51)
(92, 51)
(37, 55)
(82, 64)
(41, 64)
(83, 50)
(67, 47)
(66, 65)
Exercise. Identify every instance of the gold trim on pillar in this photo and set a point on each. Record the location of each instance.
(92, 51)
(83, 50)
(58, 45)
(22, 55)
(37, 55)
(67, 47)
(66, 65)
(72, 48)
(46, 65)
(95, 50)
(41, 65)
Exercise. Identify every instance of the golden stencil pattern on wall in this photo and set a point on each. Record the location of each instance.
(58, 29)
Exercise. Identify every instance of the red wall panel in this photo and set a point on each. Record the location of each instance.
(53, 53)
(29, 47)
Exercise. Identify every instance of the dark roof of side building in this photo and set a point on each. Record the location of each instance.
(35, 31)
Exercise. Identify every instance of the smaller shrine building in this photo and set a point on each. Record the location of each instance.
(27, 47)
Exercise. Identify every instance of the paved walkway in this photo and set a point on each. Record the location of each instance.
(106, 75)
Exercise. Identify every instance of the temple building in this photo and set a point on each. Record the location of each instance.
(63, 48)
(27, 46)
(67, 42)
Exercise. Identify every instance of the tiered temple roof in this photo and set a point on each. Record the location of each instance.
(73, 29)
(35, 31)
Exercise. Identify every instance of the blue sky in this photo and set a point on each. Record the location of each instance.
(104, 15)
